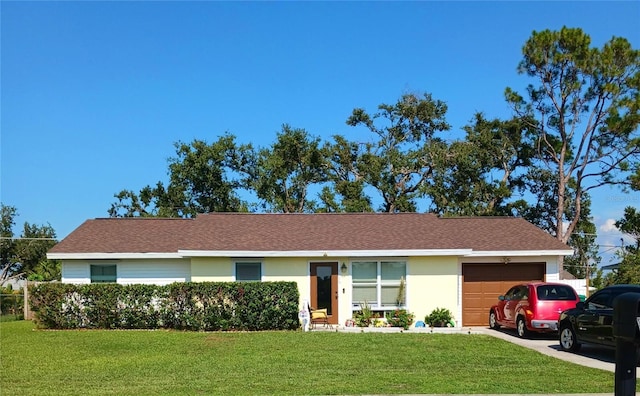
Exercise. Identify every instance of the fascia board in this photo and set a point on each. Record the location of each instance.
(102, 256)
(520, 253)
(325, 253)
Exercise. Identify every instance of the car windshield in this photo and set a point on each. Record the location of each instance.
(555, 292)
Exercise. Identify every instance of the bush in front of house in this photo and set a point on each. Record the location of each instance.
(208, 306)
(400, 318)
(439, 317)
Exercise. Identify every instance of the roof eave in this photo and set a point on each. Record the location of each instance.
(325, 253)
(520, 253)
(102, 256)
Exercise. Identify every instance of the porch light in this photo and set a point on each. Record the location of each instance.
(343, 267)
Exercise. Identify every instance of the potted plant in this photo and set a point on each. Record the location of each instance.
(439, 317)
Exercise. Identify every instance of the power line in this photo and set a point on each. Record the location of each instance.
(28, 239)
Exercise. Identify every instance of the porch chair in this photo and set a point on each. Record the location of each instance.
(319, 316)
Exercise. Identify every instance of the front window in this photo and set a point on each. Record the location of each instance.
(103, 273)
(248, 271)
(379, 284)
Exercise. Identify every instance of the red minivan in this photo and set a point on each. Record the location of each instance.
(532, 307)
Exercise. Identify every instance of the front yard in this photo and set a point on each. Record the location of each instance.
(103, 362)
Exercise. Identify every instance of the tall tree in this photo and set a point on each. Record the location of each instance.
(8, 265)
(630, 225)
(346, 193)
(402, 160)
(586, 106)
(203, 178)
(282, 175)
(26, 256)
(629, 268)
(482, 173)
(541, 211)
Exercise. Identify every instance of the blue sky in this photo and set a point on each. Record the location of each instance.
(94, 94)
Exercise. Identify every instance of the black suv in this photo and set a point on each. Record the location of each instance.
(590, 322)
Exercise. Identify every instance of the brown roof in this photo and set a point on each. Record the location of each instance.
(306, 232)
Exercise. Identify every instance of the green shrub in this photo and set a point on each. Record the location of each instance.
(184, 306)
(439, 317)
(364, 317)
(400, 318)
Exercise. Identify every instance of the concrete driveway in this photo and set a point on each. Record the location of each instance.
(548, 344)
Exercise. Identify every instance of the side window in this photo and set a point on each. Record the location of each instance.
(103, 273)
(600, 301)
(511, 294)
(248, 272)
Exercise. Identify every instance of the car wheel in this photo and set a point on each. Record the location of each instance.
(568, 340)
(521, 328)
(493, 321)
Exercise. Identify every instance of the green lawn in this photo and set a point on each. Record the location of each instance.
(100, 362)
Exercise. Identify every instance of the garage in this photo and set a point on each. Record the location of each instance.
(482, 283)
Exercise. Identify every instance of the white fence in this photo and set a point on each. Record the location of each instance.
(580, 285)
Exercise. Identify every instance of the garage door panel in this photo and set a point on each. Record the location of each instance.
(483, 283)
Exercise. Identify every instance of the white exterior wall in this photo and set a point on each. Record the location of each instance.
(145, 271)
(75, 271)
(154, 272)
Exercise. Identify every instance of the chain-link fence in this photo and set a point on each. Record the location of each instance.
(11, 307)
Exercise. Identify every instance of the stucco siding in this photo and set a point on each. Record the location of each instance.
(288, 269)
(212, 269)
(432, 282)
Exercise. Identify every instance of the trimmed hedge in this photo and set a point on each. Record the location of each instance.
(208, 306)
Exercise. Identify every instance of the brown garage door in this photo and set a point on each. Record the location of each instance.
(483, 283)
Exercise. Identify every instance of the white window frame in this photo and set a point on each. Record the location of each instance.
(379, 284)
(247, 261)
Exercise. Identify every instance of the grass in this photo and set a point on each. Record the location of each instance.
(41, 362)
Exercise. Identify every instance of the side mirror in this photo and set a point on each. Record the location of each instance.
(580, 305)
(626, 317)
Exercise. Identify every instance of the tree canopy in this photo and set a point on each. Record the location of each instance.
(25, 256)
(586, 107)
(574, 130)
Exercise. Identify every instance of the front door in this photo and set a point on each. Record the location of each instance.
(324, 289)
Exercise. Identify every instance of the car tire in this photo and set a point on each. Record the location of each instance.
(568, 340)
(493, 320)
(521, 328)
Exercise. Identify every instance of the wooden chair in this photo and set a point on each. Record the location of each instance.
(319, 316)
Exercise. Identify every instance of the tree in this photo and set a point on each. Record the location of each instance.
(9, 266)
(202, 178)
(26, 256)
(586, 108)
(282, 175)
(585, 260)
(630, 225)
(482, 173)
(347, 190)
(628, 270)
(403, 159)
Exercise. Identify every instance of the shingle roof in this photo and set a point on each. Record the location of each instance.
(306, 232)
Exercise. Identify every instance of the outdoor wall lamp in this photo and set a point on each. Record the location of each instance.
(343, 267)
